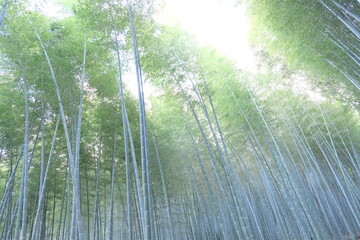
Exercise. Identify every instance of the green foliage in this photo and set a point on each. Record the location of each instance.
(298, 31)
(168, 55)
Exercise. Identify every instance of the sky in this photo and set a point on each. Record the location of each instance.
(218, 23)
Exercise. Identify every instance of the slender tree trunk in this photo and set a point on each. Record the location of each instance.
(53, 213)
(87, 201)
(25, 167)
(59, 224)
(111, 237)
(168, 210)
(143, 133)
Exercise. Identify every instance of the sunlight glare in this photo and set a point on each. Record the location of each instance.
(218, 23)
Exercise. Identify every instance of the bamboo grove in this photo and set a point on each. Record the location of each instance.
(213, 153)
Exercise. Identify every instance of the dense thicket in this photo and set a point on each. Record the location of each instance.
(211, 152)
(319, 37)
